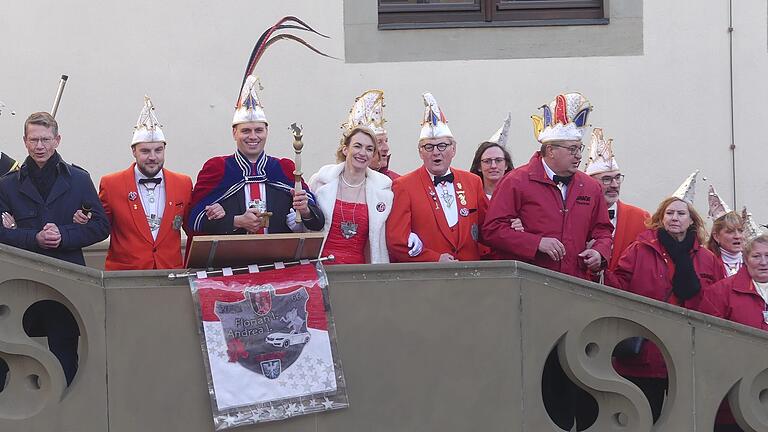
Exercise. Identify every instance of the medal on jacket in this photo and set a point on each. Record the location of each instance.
(460, 193)
(177, 221)
(154, 222)
(446, 196)
(348, 229)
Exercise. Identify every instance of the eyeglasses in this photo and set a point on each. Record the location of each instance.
(491, 161)
(608, 180)
(573, 150)
(36, 141)
(440, 147)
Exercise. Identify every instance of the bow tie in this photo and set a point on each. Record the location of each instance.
(611, 213)
(445, 178)
(560, 179)
(155, 180)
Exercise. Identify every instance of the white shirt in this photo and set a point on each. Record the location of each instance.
(762, 289)
(147, 194)
(443, 190)
(551, 174)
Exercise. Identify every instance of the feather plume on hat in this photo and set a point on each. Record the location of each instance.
(248, 107)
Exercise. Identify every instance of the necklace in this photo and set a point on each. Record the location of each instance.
(349, 229)
(153, 220)
(350, 185)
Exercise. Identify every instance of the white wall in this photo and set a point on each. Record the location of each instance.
(667, 109)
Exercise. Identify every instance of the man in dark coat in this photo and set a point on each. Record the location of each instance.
(42, 198)
(233, 193)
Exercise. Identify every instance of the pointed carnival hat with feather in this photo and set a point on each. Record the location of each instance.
(434, 124)
(248, 107)
(147, 128)
(601, 156)
(368, 111)
(563, 119)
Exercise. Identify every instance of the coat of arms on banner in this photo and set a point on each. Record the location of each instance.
(269, 345)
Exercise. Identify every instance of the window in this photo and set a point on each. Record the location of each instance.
(398, 14)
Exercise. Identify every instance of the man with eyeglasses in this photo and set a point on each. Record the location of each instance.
(561, 209)
(39, 200)
(436, 204)
(628, 220)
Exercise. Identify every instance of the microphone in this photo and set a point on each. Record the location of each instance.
(86, 208)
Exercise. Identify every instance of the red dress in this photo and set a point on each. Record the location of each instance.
(347, 250)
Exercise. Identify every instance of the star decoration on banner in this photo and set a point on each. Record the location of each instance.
(273, 411)
(312, 403)
(301, 408)
(291, 409)
(327, 404)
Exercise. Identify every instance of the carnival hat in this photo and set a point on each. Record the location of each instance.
(147, 128)
(601, 156)
(751, 228)
(717, 207)
(687, 191)
(563, 119)
(502, 135)
(249, 108)
(367, 111)
(434, 124)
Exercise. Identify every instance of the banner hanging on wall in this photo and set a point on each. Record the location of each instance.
(269, 345)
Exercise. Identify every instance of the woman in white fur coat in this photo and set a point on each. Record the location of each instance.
(355, 200)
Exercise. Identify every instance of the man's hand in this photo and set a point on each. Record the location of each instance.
(49, 237)
(517, 225)
(250, 221)
(8, 221)
(81, 218)
(592, 259)
(415, 245)
(552, 247)
(446, 257)
(214, 212)
(301, 203)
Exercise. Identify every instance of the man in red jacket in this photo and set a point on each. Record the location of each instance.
(561, 209)
(146, 203)
(628, 220)
(436, 204)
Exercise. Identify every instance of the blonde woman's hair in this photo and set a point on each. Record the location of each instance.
(346, 137)
(730, 220)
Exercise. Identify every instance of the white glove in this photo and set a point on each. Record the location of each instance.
(290, 220)
(415, 245)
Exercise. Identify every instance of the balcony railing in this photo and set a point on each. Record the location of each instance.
(427, 347)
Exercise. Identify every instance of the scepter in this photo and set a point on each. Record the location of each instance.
(298, 145)
(59, 92)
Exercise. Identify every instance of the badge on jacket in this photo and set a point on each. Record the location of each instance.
(380, 207)
(132, 196)
(475, 232)
(177, 222)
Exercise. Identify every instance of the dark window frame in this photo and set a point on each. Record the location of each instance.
(491, 13)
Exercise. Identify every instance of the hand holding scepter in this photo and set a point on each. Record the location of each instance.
(298, 145)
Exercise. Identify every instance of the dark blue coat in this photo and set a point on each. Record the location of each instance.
(73, 188)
